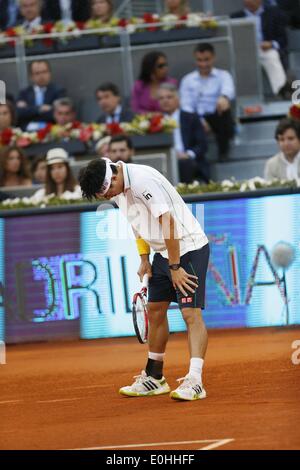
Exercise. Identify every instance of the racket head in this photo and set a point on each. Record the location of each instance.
(140, 317)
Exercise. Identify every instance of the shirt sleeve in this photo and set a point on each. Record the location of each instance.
(228, 88)
(153, 197)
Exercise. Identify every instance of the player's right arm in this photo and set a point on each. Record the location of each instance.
(144, 252)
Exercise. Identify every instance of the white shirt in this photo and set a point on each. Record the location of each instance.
(292, 167)
(30, 25)
(148, 195)
(200, 94)
(115, 116)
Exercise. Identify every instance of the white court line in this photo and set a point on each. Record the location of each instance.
(10, 402)
(213, 444)
(219, 443)
(60, 400)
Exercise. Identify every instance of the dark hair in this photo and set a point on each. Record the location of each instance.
(23, 172)
(121, 138)
(148, 65)
(42, 61)
(205, 47)
(285, 125)
(69, 184)
(109, 86)
(36, 162)
(12, 112)
(91, 177)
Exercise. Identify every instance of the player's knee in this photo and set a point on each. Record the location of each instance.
(192, 316)
(156, 313)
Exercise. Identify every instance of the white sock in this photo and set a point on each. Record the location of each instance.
(156, 356)
(196, 366)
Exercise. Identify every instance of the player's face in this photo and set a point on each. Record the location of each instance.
(116, 186)
(289, 143)
(205, 62)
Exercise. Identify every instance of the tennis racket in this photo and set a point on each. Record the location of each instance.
(140, 312)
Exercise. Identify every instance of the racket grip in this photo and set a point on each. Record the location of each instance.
(145, 281)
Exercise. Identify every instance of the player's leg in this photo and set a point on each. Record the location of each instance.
(158, 338)
(191, 306)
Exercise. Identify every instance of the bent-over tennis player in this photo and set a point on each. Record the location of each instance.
(162, 222)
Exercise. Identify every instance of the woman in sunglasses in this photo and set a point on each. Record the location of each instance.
(154, 72)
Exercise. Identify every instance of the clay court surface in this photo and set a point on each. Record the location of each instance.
(65, 395)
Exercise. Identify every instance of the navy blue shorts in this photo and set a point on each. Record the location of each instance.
(161, 287)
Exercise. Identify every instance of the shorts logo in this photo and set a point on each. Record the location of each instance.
(147, 195)
(187, 300)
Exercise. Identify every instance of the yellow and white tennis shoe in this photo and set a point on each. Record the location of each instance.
(189, 390)
(146, 386)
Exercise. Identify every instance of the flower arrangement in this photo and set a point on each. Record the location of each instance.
(183, 189)
(87, 133)
(132, 25)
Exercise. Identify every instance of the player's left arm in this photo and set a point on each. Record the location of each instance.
(181, 279)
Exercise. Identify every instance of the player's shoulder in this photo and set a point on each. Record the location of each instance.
(144, 178)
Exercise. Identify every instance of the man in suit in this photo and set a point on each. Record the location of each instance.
(109, 100)
(34, 104)
(272, 38)
(66, 10)
(189, 137)
(120, 148)
(9, 14)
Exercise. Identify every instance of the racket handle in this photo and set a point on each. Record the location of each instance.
(145, 281)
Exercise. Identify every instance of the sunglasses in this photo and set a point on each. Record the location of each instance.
(162, 65)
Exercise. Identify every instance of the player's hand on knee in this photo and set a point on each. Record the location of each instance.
(186, 283)
(145, 268)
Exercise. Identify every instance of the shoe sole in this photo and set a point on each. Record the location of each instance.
(148, 394)
(177, 397)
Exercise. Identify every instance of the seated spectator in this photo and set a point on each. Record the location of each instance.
(7, 116)
(31, 14)
(120, 149)
(9, 14)
(109, 100)
(189, 137)
(66, 10)
(286, 164)
(154, 72)
(59, 179)
(34, 104)
(291, 8)
(64, 111)
(209, 91)
(13, 168)
(102, 10)
(39, 170)
(177, 7)
(102, 146)
(272, 40)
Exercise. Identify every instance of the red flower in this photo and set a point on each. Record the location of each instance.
(114, 128)
(150, 19)
(48, 42)
(122, 23)
(80, 25)
(156, 124)
(6, 136)
(48, 28)
(86, 134)
(11, 33)
(76, 125)
(183, 18)
(42, 133)
(295, 112)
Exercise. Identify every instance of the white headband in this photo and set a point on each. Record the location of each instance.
(108, 176)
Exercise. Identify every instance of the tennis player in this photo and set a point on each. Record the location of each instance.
(162, 222)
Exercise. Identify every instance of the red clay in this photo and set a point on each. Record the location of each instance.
(65, 395)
